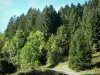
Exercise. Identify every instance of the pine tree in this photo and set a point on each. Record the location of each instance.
(79, 10)
(22, 22)
(80, 52)
(48, 21)
(31, 19)
(11, 28)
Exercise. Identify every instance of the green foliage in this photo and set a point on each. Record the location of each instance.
(22, 22)
(51, 47)
(5, 50)
(57, 46)
(12, 48)
(31, 19)
(3, 39)
(11, 28)
(63, 40)
(95, 2)
(48, 21)
(96, 22)
(32, 50)
(48, 36)
(80, 51)
(79, 10)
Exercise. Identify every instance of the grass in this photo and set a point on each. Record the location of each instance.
(23, 71)
(96, 65)
(38, 72)
(95, 69)
(64, 66)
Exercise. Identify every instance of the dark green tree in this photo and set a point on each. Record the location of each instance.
(79, 10)
(57, 47)
(31, 19)
(48, 21)
(11, 28)
(22, 22)
(80, 51)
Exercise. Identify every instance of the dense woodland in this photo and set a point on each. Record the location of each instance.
(46, 38)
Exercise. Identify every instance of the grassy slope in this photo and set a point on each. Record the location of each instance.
(94, 70)
(64, 66)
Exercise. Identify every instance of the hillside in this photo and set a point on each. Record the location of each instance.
(46, 38)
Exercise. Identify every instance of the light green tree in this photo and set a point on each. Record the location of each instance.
(32, 50)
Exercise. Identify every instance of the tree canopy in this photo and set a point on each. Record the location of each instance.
(48, 37)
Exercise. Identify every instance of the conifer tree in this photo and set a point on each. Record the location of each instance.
(48, 21)
(11, 28)
(80, 51)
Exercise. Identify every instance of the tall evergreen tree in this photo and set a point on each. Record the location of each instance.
(72, 33)
(11, 28)
(80, 51)
(48, 21)
(31, 19)
(22, 22)
(79, 10)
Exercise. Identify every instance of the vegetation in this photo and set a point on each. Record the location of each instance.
(94, 70)
(30, 53)
(46, 38)
(38, 72)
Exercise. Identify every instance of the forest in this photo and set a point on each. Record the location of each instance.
(49, 37)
